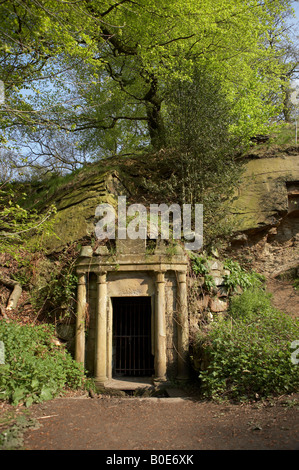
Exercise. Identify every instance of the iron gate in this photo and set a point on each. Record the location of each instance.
(132, 336)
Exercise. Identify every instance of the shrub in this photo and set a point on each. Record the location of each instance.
(239, 277)
(35, 368)
(248, 353)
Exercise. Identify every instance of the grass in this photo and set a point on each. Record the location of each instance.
(284, 135)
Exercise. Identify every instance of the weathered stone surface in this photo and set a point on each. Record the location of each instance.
(262, 198)
(217, 305)
(261, 201)
(86, 251)
(76, 203)
(129, 246)
(203, 302)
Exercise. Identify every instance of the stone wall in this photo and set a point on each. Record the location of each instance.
(208, 302)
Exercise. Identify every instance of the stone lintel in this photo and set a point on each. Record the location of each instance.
(132, 263)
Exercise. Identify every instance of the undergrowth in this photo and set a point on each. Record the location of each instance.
(35, 368)
(247, 354)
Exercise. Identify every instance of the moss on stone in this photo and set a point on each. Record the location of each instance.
(260, 201)
(262, 197)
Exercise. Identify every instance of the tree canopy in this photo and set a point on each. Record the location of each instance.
(86, 78)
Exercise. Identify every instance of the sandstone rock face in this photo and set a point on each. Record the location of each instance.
(217, 305)
(266, 212)
(76, 204)
(266, 209)
(263, 197)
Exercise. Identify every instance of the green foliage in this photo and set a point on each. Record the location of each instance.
(35, 368)
(107, 66)
(55, 292)
(239, 277)
(248, 353)
(22, 229)
(199, 264)
(202, 156)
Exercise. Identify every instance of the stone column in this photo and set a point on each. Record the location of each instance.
(80, 320)
(160, 329)
(101, 331)
(183, 327)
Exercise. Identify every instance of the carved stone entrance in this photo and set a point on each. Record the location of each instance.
(128, 296)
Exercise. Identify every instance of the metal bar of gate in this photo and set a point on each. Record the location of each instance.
(132, 336)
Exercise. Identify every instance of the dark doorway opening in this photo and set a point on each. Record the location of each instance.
(132, 355)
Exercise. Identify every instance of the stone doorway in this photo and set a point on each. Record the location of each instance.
(154, 281)
(132, 337)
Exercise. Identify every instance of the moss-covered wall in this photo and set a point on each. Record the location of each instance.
(262, 198)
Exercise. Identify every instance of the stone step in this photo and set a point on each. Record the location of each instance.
(176, 393)
(129, 384)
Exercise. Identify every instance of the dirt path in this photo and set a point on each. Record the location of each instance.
(162, 424)
(284, 297)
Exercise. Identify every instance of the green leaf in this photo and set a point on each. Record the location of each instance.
(17, 395)
(46, 393)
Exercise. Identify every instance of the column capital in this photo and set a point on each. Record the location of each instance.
(81, 278)
(182, 276)
(102, 277)
(160, 276)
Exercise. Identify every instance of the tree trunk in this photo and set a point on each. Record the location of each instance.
(16, 293)
(153, 103)
(287, 105)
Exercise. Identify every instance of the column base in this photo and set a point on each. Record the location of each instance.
(160, 379)
(100, 381)
(182, 378)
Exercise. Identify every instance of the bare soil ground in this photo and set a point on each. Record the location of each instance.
(113, 423)
(285, 297)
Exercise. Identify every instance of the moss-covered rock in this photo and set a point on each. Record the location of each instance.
(76, 202)
(262, 198)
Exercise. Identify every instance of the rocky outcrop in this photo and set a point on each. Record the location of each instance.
(263, 198)
(266, 213)
(76, 203)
